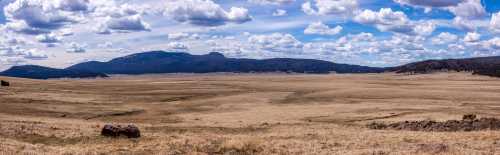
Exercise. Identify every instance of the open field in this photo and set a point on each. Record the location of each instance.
(247, 114)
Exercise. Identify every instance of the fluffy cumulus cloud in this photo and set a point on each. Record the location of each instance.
(395, 21)
(274, 2)
(276, 42)
(464, 24)
(469, 9)
(74, 47)
(123, 24)
(444, 38)
(10, 51)
(495, 22)
(16, 52)
(48, 38)
(330, 7)
(384, 17)
(322, 29)
(122, 18)
(183, 36)
(44, 16)
(279, 12)
(177, 46)
(472, 37)
(430, 3)
(37, 16)
(12, 41)
(205, 13)
(34, 54)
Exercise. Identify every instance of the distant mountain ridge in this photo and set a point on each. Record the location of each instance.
(170, 62)
(489, 66)
(40, 72)
(173, 62)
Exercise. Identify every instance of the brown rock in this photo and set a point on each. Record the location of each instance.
(4, 83)
(110, 131)
(469, 117)
(130, 131)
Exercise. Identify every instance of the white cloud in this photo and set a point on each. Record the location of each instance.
(183, 36)
(34, 54)
(430, 3)
(12, 41)
(279, 12)
(14, 61)
(424, 28)
(45, 16)
(177, 46)
(322, 29)
(277, 42)
(274, 2)
(463, 24)
(48, 38)
(395, 21)
(330, 7)
(72, 5)
(493, 43)
(384, 17)
(444, 38)
(76, 48)
(205, 13)
(106, 45)
(10, 51)
(469, 9)
(36, 16)
(123, 24)
(363, 36)
(112, 9)
(66, 32)
(472, 37)
(456, 47)
(495, 22)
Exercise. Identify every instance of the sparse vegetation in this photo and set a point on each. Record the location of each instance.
(248, 114)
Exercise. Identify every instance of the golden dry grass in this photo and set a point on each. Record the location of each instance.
(247, 114)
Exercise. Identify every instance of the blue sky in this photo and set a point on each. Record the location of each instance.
(59, 33)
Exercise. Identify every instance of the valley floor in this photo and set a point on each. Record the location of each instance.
(247, 114)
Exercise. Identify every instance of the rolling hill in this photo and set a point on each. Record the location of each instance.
(40, 72)
(489, 66)
(172, 62)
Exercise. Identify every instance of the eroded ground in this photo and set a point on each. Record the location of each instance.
(247, 114)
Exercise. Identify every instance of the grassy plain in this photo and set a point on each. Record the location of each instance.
(246, 114)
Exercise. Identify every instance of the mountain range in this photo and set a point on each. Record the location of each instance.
(489, 66)
(40, 72)
(173, 62)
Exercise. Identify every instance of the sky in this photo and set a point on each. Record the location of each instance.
(381, 33)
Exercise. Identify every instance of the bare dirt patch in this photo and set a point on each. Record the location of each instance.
(468, 123)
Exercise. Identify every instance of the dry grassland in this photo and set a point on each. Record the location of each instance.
(247, 114)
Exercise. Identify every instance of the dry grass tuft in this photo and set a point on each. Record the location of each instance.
(242, 146)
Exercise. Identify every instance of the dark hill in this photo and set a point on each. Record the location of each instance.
(39, 72)
(171, 62)
(483, 66)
